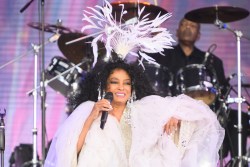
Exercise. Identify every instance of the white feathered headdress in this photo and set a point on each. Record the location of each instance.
(137, 38)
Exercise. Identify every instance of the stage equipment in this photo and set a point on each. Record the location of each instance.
(132, 10)
(219, 15)
(211, 14)
(198, 82)
(67, 82)
(52, 28)
(160, 78)
(2, 136)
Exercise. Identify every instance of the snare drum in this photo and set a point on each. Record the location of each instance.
(198, 82)
(160, 78)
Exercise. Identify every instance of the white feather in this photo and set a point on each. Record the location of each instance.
(137, 38)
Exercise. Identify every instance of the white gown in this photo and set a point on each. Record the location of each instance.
(199, 139)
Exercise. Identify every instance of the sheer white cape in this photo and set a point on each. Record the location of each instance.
(199, 140)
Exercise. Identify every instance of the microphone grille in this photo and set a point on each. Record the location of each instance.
(109, 96)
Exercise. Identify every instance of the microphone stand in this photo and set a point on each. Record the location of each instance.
(42, 81)
(2, 137)
(26, 6)
(239, 99)
(52, 39)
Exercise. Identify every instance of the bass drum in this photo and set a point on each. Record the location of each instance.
(198, 82)
(160, 78)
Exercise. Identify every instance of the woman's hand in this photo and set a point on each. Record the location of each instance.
(102, 105)
(171, 126)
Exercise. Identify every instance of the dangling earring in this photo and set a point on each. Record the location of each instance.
(131, 99)
(127, 113)
(99, 92)
(133, 96)
(103, 94)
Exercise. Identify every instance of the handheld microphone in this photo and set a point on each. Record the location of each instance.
(109, 97)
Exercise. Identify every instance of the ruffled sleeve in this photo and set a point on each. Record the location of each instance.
(199, 140)
(63, 150)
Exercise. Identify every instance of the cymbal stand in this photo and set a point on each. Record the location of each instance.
(34, 130)
(42, 79)
(52, 39)
(2, 136)
(239, 98)
(35, 49)
(246, 157)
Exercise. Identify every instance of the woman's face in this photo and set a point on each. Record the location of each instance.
(119, 83)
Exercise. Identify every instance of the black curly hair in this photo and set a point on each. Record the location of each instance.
(96, 78)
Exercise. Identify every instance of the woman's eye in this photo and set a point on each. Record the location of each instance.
(127, 83)
(113, 82)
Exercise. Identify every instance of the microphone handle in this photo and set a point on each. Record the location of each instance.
(109, 97)
(104, 119)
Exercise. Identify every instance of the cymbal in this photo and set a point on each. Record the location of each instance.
(75, 52)
(50, 28)
(132, 10)
(223, 13)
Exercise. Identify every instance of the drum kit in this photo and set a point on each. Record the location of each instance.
(63, 73)
(204, 87)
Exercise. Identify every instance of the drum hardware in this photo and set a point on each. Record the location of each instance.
(239, 99)
(35, 50)
(219, 15)
(2, 136)
(25, 6)
(235, 100)
(210, 50)
(57, 28)
(244, 85)
(34, 161)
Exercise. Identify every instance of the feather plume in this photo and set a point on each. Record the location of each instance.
(136, 38)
